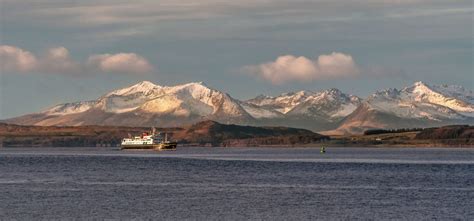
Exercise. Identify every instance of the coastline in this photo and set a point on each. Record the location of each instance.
(213, 134)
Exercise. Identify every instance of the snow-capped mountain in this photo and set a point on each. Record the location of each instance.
(70, 108)
(193, 99)
(419, 105)
(330, 103)
(312, 110)
(454, 97)
(148, 104)
(282, 103)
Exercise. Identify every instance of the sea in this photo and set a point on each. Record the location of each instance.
(204, 183)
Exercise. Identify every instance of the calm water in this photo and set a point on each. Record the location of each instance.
(236, 184)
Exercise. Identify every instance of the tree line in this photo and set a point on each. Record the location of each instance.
(387, 131)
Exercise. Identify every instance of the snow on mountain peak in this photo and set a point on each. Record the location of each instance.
(453, 91)
(420, 83)
(334, 91)
(144, 87)
(419, 87)
(456, 91)
(194, 101)
(197, 90)
(129, 98)
(194, 86)
(422, 100)
(70, 108)
(203, 99)
(331, 94)
(297, 94)
(286, 101)
(262, 97)
(454, 97)
(389, 93)
(331, 103)
(146, 83)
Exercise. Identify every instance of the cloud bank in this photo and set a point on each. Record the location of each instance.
(16, 59)
(58, 60)
(122, 62)
(291, 68)
(124, 19)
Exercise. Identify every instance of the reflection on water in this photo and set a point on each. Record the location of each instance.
(336, 154)
(237, 183)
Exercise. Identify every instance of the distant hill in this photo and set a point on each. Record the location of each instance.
(446, 136)
(211, 132)
(447, 132)
(199, 134)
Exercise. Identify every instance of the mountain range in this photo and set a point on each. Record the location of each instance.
(148, 104)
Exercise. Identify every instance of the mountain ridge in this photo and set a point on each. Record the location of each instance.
(415, 106)
(148, 104)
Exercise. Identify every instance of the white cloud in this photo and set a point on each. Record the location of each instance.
(58, 60)
(291, 68)
(16, 59)
(122, 62)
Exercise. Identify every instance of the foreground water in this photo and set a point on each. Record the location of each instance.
(238, 183)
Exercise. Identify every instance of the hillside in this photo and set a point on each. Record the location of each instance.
(200, 134)
(446, 136)
(447, 133)
(210, 132)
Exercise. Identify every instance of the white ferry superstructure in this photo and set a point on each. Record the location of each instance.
(148, 141)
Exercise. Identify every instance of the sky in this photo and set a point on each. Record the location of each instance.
(57, 51)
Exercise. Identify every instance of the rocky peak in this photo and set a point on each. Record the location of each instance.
(387, 93)
(143, 87)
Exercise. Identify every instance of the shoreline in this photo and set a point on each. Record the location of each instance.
(309, 146)
(213, 134)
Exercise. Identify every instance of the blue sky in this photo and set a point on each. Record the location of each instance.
(56, 51)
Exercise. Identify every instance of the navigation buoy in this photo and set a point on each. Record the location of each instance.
(323, 150)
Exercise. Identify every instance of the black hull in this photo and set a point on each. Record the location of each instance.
(168, 146)
(164, 146)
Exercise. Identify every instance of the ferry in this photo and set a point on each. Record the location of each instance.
(146, 140)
